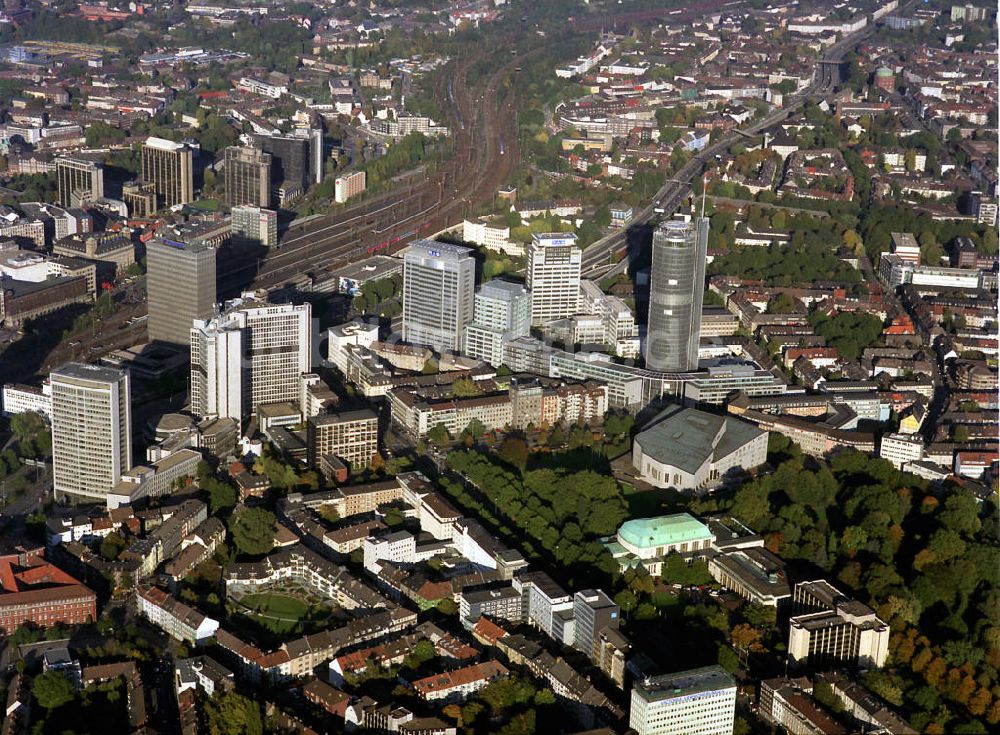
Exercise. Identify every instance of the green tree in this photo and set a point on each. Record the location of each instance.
(99, 133)
(423, 651)
(627, 601)
(279, 473)
(823, 693)
(961, 513)
(233, 714)
(394, 518)
(438, 435)
(221, 495)
(112, 545)
(676, 570)
(253, 530)
(52, 690)
(514, 450)
(27, 425)
(849, 332)
(782, 304)
(751, 504)
(475, 429)
(464, 388)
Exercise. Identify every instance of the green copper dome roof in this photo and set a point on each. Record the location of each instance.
(663, 530)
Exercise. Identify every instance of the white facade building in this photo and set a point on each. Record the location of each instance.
(348, 186)
(828, 628)
(687, 449)
(217, 376)
(255, 224)
(439, 282)
(352, 333)
(901, 448)
(696, 702)
(546, 605)
(553, 276)
(502, 313)
(24, 398)
(252, 354)
(492, 235)
(174, 617)
(91, 429)
(617, 320)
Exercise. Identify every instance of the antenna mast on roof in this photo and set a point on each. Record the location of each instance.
(704, 185)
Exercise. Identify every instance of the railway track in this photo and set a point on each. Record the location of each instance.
(485, 155)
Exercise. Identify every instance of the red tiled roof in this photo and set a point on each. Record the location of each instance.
(488, 630)
(466, 675)
(15, 578)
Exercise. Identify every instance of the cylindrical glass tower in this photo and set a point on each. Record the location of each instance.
(676, 292)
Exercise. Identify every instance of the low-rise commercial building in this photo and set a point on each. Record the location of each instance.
(755, 574)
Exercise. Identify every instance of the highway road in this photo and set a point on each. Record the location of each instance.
(598, 257)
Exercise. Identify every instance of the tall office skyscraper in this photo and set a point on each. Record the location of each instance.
(553, 277)
(253, 353)
(278, 343)
(91, 430)
(296, 158)
(168, 167)
(701, 701)
(218, 380)
(439, 282)
(252, 224)
(79, 181)
(247, 173)
(502, 312)
(180, 286)
(676, 292)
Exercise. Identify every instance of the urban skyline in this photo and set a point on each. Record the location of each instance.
(491, 368)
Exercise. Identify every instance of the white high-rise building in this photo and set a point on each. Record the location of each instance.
(252, 354)
(696, 702)
(91, 430)
(278, 344)
(439, 281)
(217, 375)
(554, 263)
(828, 629)
(502, 313)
